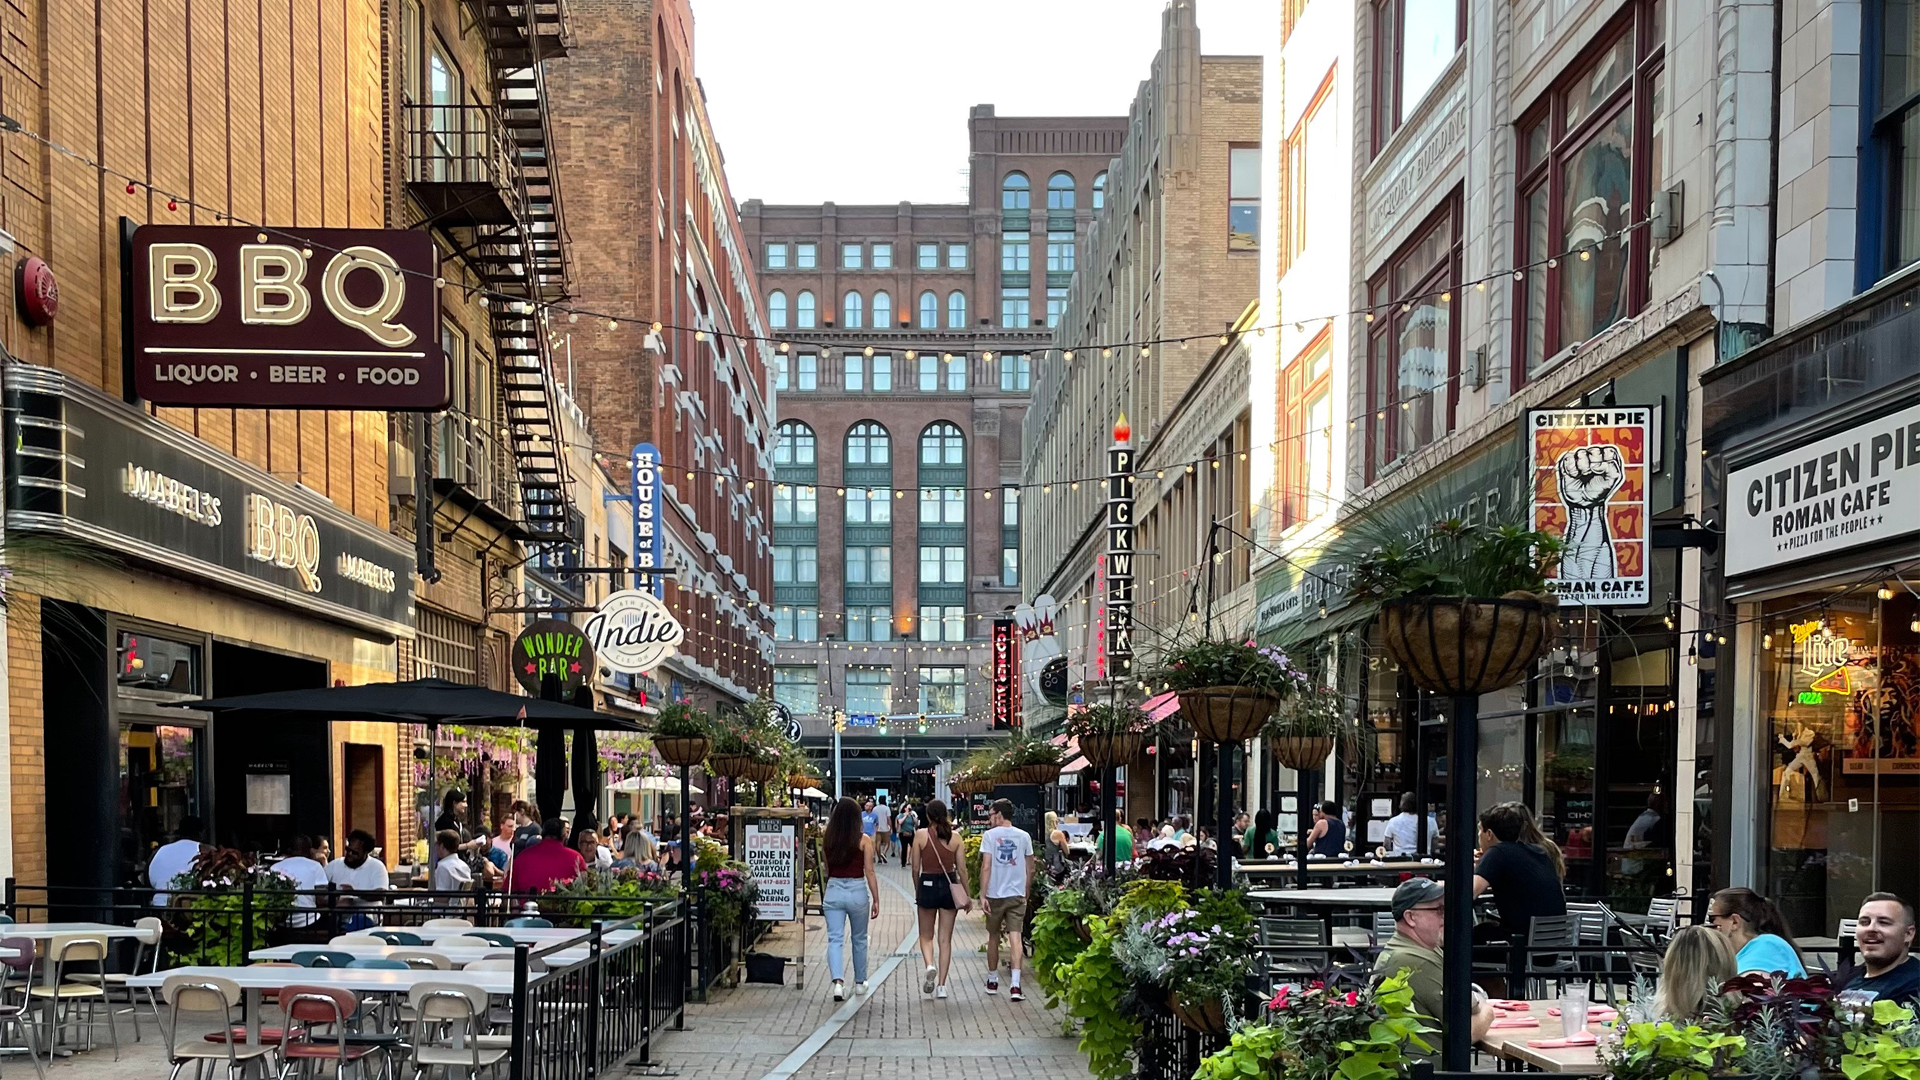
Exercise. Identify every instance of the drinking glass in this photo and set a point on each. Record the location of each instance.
(1573, 1010)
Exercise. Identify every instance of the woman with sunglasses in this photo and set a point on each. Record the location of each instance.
(1757, 931)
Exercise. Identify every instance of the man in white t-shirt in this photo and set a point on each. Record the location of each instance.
(1006, 869)
(1402, 835)
(357, 871)
(176, 858)
(450, 871)
(307, 875)
(883, 830)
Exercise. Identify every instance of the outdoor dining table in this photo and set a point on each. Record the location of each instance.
(255, 981)
(1284, 868)
(1511, 1043)
(457, 955)
(46, 932)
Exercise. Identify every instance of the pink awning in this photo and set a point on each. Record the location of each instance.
(1161, 706)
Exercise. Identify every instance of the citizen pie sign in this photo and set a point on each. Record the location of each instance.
(1859, 487)
(332, 319)
(633, 631)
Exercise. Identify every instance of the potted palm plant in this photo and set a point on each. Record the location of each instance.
(1111, 734)
(681, 734)
(1463, 607)
(1228, 689)
(1309, 725)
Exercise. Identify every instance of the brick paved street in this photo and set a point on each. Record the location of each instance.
(752, 1031)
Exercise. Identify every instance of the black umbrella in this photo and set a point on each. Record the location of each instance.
(587, 777)
(420, 701)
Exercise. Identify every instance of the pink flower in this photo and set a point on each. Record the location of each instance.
(1279, 999)
(1353, 997)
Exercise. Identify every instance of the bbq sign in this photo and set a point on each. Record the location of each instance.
(1858, 487)
(336, 319)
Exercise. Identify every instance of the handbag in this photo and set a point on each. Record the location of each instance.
(961, 901)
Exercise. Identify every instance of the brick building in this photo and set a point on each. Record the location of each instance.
(657, 241)
(911, 334)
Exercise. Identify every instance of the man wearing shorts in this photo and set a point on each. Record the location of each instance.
(1006, 869)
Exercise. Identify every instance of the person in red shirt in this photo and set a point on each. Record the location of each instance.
(546, 865)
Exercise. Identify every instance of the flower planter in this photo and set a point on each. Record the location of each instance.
(1112, 750)
(729, 764)
(1040, 773)
(1301, 752)
(1207, 1018)
(1468, 645)
(681, 751)
(760, 771)
(1227, 714)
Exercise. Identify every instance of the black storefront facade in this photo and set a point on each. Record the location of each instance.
(151, 569)
(1813, 444)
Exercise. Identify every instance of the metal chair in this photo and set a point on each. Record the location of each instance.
(530, 921)
(493, 937)
(146, 960)
(1546, 934)
(310, 1008)
(1664, 911)
(470, 941)
(208, 994)
(449, 1030)
(1298, 947)
(323, 958)
(380, 963)
(448, 921)
(1383, 927)
(62, 992)
(425, 959)
(365, 940)
(396, 937)
(18, 1013)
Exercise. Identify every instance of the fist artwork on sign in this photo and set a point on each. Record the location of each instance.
(1588, 477)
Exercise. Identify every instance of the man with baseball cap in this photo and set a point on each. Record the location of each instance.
(1419, 921)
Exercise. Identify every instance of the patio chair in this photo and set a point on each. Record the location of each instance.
(447, 921)
(531, 921)
(492, 937)
(323, 958)
(467, 941)
(364, 940)
(450, 1030)
(1552, 932)
(1292, 942)
(1665, 913)
(146, 960)
(62, 993)
(422, 958)
(16, 1013)
(1383, 928)
(311, 1008)
(396, 937)
(380, 963)
(208, 994)
(269, 996)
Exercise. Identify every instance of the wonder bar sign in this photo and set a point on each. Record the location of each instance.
(330, 319)
(1859, 487)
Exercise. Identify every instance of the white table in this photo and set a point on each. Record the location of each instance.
(47, 931)
(254, 981)
(1353, 898)
(459, 955)
(536, 936)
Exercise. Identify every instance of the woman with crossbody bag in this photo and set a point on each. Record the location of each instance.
(941, 892)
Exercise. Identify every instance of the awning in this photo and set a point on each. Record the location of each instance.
(810, 793)
(418, 701)
(669, 785)
(1161, 706)
(1075, 765)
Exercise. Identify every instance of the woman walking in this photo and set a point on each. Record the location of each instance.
(852, 895)
(940, 873)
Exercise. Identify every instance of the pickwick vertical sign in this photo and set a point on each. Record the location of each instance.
(1589, 484)
(330, 319)
(1120, 551)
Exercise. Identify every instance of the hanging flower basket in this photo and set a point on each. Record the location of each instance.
(682, 751)
(1227, 714)
(1465, 646)
(1301, 752)
(760, 771)
(802, 780)
(971, 786)
(729, 764)
(1042, 773)
(1208, 1017)
(1112, 750)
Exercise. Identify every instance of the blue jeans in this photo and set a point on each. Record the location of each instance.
(847, 901)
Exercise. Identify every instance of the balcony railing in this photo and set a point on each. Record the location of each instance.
(458, 163)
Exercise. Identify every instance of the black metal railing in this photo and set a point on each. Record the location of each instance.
(594, 1015)
(1170, 1050)
(456, 144)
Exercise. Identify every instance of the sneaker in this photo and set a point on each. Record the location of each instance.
(1013, 994)
(940, 991)
(860, 988)
(839, 990)
(993, 984)
(926, 983)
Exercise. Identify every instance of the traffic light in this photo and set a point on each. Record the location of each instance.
(923, 723)
(883, 727)
(839, 720)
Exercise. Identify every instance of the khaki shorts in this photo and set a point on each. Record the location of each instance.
(1001, 909)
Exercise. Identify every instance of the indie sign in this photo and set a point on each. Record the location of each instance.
(633, 632)
(1588, 471)
(1859, 487)
(649, 549)
(1119, 628)
(551, 647)
(340, 319)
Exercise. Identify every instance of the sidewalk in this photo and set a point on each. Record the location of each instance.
(759, 1031)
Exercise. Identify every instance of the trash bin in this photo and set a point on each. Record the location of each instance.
(766, 968)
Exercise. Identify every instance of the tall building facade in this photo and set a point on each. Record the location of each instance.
(1172, 253)
(676, 355)
(909, 340)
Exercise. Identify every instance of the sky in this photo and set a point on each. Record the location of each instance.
(866, 101)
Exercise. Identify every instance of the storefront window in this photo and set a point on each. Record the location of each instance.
(161, 769)
(145, 662)
(1840, 700)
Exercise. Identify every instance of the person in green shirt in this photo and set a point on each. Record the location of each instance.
(1122, 843)
(1263, 840)
(1419, 922)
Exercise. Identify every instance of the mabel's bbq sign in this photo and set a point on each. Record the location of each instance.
(341, 319)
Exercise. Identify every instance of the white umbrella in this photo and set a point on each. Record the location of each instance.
(811, 793)
(668, 784)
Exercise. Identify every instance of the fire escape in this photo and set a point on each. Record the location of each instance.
(484, 176)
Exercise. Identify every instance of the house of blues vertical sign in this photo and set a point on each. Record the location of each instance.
(648, 548)
(1120, 552)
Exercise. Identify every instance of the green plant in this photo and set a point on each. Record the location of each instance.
(1321, 713)
(682, 720)
(617, 894)
(970, 854)
(1024, 749)
(214, 896)
(1325, 1033)
(1666, 1051)
(1095, 989)
(1886, 1047)
(1197, 665)
(1056, 935)
(1151, 897)
(1116, 718)
(1452, 557)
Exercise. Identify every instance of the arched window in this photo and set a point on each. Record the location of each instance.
(777, 310)
(956, 310)
(803, 310)
(793, 444)
(1014, 193)
(942, 444)
(929, 311)
(869, 444)
(851, 312)
(1100, 191)
(882, 310)
(1060, 191)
